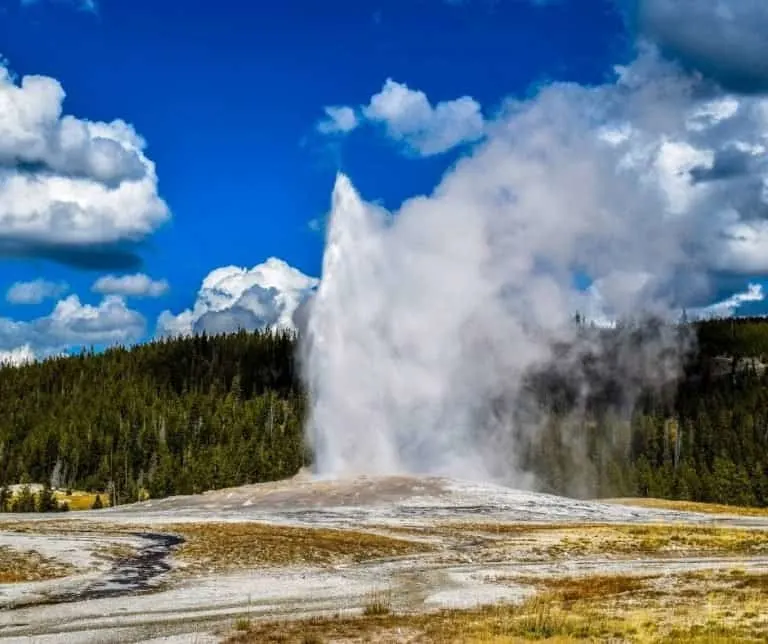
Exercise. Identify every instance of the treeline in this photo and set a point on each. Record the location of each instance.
(169, 417)
(185, 415)
(25, 500)
(702, 436)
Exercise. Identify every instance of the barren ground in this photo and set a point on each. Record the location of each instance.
(393, 559)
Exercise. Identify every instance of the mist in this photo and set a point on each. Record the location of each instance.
(430, 321)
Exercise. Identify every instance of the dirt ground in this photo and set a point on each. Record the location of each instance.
(390, 559)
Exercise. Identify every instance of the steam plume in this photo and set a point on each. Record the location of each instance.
(428, 321)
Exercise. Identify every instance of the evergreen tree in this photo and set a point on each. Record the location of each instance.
(46, 500)
(24, 501)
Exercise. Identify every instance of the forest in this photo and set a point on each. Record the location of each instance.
(184, 415)
(169, 417)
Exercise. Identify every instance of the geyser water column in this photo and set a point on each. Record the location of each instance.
(348, 428)
(427, 321)
(382, 349)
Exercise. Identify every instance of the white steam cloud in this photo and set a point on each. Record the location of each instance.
(650, 189)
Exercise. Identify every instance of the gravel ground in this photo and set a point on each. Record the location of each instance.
(136, 607)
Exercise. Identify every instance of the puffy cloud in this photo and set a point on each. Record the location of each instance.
(698, 156)
(68, 184)
(269, 295)
(410, 119)
(339, 120)
(35, 291)
(138, 285)
(73, 324)
(654, 186)
(724, 39)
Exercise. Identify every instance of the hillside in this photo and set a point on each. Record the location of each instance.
(188, 415)
(176, 416)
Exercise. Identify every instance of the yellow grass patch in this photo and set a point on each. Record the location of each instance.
(79, 500)
(228, 546)
(662, 540)
(572, 589)
(691, 506)
(214, 547)
(62, 526)
(19, 566)
(543, 542)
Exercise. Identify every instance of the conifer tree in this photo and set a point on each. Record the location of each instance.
(46, 500)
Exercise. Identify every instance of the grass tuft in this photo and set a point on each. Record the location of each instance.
(242, 624)
(378, 604)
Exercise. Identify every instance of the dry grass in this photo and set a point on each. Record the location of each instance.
(78, 500)
(534, 620)
(724, 609)
(229, 546)
(65, 524)
(670, 540)
(729, 606)
(691, 506)
(115, 552)
(539, 542)
(216, 547)
(735, 579)
(572, 589)
(17, 566)
(378, 604)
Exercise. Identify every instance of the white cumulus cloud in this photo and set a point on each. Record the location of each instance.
(73, 324)
(138, 285)
(409, 118)
(269, 295)
(35, 291)
(69, 183)
(338, 120)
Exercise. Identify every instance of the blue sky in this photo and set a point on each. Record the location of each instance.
(228, 97)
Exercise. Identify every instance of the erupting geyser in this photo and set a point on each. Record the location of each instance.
(428, 319)
(385, 353)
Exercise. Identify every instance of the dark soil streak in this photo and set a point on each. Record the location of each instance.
(138, 574)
